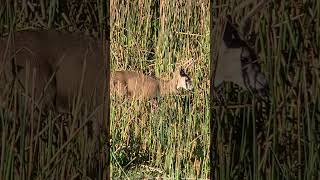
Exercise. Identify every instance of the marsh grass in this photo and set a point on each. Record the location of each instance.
(171, 141)
(275, 140)
(37, 143)
(278, 139)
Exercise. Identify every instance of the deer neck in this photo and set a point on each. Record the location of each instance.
(168, 87)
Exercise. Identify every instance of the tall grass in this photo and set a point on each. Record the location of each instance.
(279, 139)
(45, 145)
(172, 141)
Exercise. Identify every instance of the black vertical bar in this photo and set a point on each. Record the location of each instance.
(213, 123)
(106, 5)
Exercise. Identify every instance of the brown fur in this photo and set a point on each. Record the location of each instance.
(61, 57)
(50, 52)
(134, 84)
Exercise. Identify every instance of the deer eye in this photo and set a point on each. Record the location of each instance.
(182, 72)
(245, 60)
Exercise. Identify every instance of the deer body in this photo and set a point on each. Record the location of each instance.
(59, 67)
(55, 69)
(134, 84)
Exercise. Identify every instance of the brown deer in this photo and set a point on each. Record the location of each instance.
(134, 84)
(57, 68)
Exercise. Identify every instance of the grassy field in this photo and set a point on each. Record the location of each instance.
(155, 37)
(254, 140)
(277, 139)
